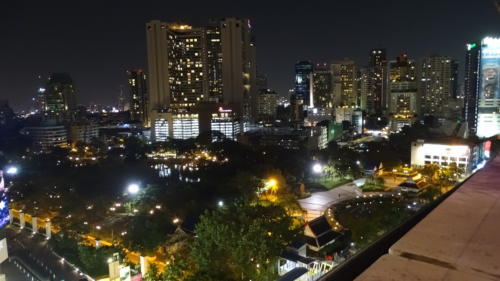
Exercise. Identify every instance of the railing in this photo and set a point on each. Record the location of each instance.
(360, 261)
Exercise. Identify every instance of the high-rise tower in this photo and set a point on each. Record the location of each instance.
(303, 80)
(472, 58)
(437, 84)
(60, 99)
(138, 95)
(188, 66)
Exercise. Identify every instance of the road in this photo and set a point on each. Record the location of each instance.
(318, 202)
(35, 253)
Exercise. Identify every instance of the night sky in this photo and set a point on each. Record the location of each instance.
(96, 41)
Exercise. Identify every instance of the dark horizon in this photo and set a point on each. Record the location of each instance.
(97, 43)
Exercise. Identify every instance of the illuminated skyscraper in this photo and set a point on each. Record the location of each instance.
(60, 99)
(138, 95)
(303, 77)
(472, 58)
(488, 113)
(345, 92)
(374, 81)
(190, 65)
(437, 84)
(267, 104)
(323, 86)
(403, 102)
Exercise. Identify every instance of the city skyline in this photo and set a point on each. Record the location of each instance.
(309, 33)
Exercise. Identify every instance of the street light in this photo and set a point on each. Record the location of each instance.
(133, 188)
(220, 203)
(317, 168)
(11, 170)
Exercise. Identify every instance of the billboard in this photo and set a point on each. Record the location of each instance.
(4, 207)
(490, 68)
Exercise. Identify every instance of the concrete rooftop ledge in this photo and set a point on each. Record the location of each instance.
(458, 240)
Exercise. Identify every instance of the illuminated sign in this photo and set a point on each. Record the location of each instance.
(221, 109)
(471, 46)
(490, 68)
(488, 119)
(4, 209)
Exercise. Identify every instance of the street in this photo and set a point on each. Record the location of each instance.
(34, 252)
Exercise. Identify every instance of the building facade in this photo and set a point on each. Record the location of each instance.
(472, 59)
(345, 91)
(60, 97)
(190, 65)
(444, 153)
(374, 83)
(267, 104)
(403, 101)
(46, 137)
(437, 84)
(138, 95)
(488, 117)
(322, 86)
(303, 82)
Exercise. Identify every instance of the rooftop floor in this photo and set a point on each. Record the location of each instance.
(458, 240)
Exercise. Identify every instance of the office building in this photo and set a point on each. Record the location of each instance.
(296, 109)
(322, 86)
(437, 84)
(403, 102)
(374, 83)
(303, 85)
(225, 121)
(488, 113)
(83, 132)
(472, 58)
(46, 136)
(189, 65)
(179, 124)
(267, 104)
(60, 98)
(138, 95)
(238, 66)
(351, 114)
(345, 92)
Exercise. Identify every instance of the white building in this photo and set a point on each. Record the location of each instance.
(46, 137)
(83, 132)
(466, 156)
(224, 121)
(351, 114)
(183, 125)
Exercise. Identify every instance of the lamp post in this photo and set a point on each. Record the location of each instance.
(317, 168)
(132, 189)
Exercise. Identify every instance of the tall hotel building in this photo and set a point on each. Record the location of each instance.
(189, 66)
(488, 110)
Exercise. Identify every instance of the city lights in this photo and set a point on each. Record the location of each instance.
(11, 170)
(133, 188)
(317, 168)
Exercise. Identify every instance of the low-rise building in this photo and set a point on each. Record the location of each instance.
(83, 132)
(467, 155)
(46, 137)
